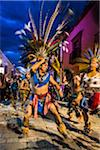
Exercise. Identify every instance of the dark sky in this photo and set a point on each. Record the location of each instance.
(14, 14)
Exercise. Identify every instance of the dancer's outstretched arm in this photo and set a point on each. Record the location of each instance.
(53, 82)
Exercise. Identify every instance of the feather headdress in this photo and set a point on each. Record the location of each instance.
(22, 70)
(89, 56)
(38, 44)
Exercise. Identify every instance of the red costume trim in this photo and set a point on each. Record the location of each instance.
(96, 100)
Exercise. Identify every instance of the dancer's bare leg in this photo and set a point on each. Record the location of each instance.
(61, 125)
(26, 119)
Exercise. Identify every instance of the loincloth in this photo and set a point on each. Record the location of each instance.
(41, 104)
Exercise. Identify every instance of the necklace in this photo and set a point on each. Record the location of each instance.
(42, 78)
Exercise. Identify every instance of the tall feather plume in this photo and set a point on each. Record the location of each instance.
(51, 21)
(62, 25)
(40, 23)
(52, 39)
(33, 25)
(66, 17)
(66, 20)
(59, 31)
(56, 65)
(57, 61)
(65, 8)
(53, 47)
(44, 24)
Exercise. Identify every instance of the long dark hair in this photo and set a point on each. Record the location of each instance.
(68, 74)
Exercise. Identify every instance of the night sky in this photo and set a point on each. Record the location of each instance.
(14, 14)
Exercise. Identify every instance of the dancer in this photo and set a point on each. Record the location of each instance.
(37, 49)
(67, 84)
(25, 88)
(92, 81)
(42, 101)
(77, 105)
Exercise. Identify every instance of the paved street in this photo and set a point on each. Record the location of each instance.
(43, 134)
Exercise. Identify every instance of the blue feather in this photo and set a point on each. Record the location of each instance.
(88, 57)
(90, 53)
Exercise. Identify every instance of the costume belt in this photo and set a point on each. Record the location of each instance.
(42, 96)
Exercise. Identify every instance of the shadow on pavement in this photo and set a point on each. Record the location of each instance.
(61, 141)
(47, 132)
(89, 135)
(15, 125)
(69, 120)
(41, 145)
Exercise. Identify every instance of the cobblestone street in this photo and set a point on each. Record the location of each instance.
(43, 133)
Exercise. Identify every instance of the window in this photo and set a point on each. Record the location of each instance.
(76, 44)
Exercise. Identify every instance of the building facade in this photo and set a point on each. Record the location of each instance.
(6, 67)
(84, 35)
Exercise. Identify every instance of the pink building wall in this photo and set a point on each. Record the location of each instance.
(90, 27)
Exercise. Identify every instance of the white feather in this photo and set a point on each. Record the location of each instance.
(44, 24)
(21, 46)
(27, 27)
(23, 31)
(18, 32)
(20, 36)
(29, 24)
(40, 23)
(33, 25)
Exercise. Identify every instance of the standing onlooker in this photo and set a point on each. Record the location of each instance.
(2, 87)
(14, 89)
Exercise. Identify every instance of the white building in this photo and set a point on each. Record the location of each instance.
(6, 67)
